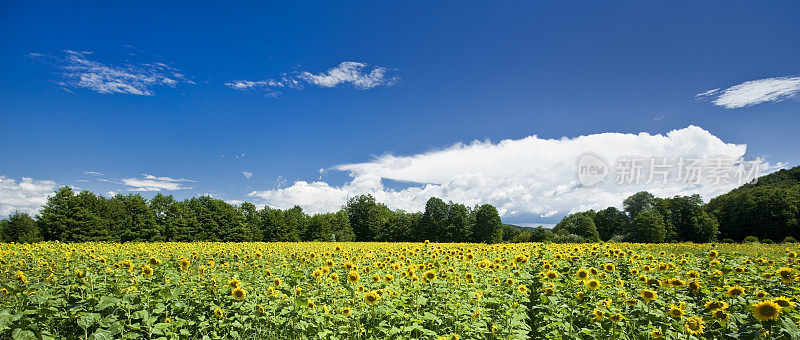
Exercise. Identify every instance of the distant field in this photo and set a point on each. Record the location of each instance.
(397, 290)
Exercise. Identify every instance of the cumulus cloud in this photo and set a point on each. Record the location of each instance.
(153, 183)
(78, 71)
(25, 196)
(753, 92)
(358, 75)
(534, 178)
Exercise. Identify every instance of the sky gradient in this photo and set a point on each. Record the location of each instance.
(284, 103)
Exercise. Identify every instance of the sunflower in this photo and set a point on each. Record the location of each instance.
(317, 273)
(735, 291)
(276, 282)
(429, 275)
(371, 298)
(616, 317)
(695, 285)
(218, 313)
(346, 311)
(184, 263)
(694, 325)
(784, 302)
(648, 295)
(476, 314)
(712, 305)
(353, 276)
(609, 267)
(234, 283)
(388, 278)
(598, 314)
(720, 315)
(766, 310)
(593, 284)
(657, 334)
(147, 271)
(238, 294)
(786, 275)
(675, 312)
(260, 309)
(761, 295)
(551, 275)
(522, 289)
(582, 274)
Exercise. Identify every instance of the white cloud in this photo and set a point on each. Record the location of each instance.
(358, 75)
(93, 173)
(138, 79)
(531, 177)
(247, 174)
(27, 195)
(753, 92)
(153, 183)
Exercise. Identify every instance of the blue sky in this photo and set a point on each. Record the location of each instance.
(145, 94)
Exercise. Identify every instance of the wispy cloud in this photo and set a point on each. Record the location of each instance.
(753, 92)
(247, 174)
(26, 195)
(153, 183)
(355, 74)
(78, 71)
(93, 173)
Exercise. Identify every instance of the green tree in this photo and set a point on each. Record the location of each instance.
(540, 234)
(488, 227)
(458, 227)
(251, 220)
(610, 222)
(319, 228)
(366, 217)
(139, 221)
(647, 227)
(20, 228)
(340, 227)
(159, 206)
(434, 221)
(581, 224)
(638, 202)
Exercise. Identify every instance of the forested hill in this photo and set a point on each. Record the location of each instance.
(767, 209)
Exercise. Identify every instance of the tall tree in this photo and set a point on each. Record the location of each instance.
(581, 224)
(638, 202)
(160, 205)
(20, 228)
(139, 222)
(647, 227)
(340, 227)
(434, 221)
(365, 217)
(488, 227)
(610, 222)
(251, 220)
(458, 227)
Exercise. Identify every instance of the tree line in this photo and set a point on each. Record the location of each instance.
(83, 217)
(767, 211)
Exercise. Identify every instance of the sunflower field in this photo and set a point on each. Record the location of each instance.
(398, 291)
